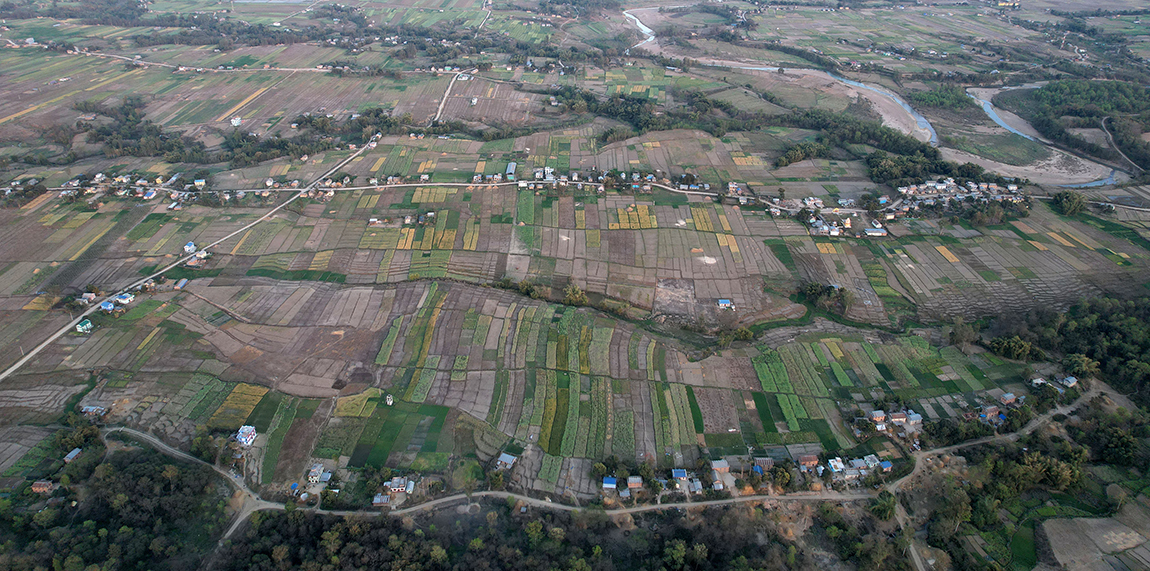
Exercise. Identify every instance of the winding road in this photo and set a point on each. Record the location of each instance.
(253, 503)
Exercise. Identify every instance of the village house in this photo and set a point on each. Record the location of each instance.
(314, 474)
(505, 461)
(878, 416)
(42, 486)
(720, 466)
(609, 483)
(246, 435)
(84, 326)
(75, 453)
(808, 461)
(634, 482)
(397, 484)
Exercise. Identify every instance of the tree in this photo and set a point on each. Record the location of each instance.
(782, 193)
(1070, 202)
(573, 295)
(1079, 365)
(883, 507)
(962, 334)
(598, 470)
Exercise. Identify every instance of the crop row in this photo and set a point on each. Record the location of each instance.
(841, 375)
(571, 431)
(822, 358)
(550, 469)
(389, 342)
(600, 393)
(418, 391)
(961, 366)
(788, 404)
(623, 437)
(800, 366)
(277, 430)
(772, 372)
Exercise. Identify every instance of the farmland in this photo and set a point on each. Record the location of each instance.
(417, 326)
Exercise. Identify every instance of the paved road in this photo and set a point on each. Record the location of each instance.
(96, 304)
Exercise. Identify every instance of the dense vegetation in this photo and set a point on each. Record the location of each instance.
(1111, 332)
(130, 134)
(950, 97)
(134, 510)
(1121, 108)
(501, 538)
(1042, 469)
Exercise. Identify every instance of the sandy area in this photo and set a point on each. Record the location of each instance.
(1059, 168)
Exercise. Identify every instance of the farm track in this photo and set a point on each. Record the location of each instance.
(1110, 138)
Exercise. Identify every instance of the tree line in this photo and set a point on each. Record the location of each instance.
(501, 537)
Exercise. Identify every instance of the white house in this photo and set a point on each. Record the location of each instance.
(190, 248)
(246, 435)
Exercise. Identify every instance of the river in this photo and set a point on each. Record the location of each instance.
(922, 122)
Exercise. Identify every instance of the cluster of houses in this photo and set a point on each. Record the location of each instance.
(124, 185)
(395, 486)
(1059, 385)
(853, 469)
(681, 479)
(940, 192)
(906, 420)
(994, 412)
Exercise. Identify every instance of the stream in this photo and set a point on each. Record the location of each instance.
(991, 111)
